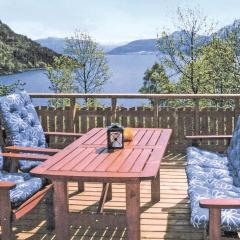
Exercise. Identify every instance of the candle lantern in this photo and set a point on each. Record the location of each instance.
(115, 138)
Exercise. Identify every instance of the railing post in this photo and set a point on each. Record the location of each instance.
(114, 109)
(72, 114)
(196, 117)
(156, 113)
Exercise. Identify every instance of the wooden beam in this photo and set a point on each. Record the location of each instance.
(135, 96)
(214, 224)
(5, 214)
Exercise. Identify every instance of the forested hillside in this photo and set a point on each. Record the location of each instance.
(19, 53)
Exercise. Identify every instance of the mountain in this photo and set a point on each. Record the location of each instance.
(229, 28)
(148, 46)
(19, 53)
(57, 44)
(138, 46)
(53, 43)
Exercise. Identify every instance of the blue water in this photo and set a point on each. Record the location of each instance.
(126, 77)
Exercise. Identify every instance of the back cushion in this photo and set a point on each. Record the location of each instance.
(234, 149)
(1, 160)
(20, 121)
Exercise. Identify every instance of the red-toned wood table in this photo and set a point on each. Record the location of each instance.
(88, 160)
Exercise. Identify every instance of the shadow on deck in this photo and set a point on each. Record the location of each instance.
(167, 219)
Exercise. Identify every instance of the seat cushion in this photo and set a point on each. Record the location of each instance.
(1, 160)
(233, 151)
(26, 186)
(223, 183)
(197, 156)
(206, 173)
(230, 219)
(22, 124)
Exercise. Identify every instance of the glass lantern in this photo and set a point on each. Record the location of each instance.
(115, 138)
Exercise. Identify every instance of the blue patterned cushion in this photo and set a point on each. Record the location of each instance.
(1, 160)
(212, 175)
(26, 186)
(200, 216)
(26, 165)
(233, 151)
(22, 125)
(224, 183)
(203, 173)
(199, 157)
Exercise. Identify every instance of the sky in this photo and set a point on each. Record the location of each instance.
(107, 21)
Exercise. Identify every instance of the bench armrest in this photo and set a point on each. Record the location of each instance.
(220, 203)
(196, 137)
(215, 206)
(7, 185)
(64, 134)
(36, 157)
(31, 149)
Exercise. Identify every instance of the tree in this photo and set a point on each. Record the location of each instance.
(220, 63)
(61, 75)
(215, 71)
(6, 66)
(94, 71)
(181, 48)
(10, 88)
(232, 37)
(156, 81)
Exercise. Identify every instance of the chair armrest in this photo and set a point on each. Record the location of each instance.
(7, 185)
(196, 137)
(220, 203)
(64, 134)
(36, 157)
(31, 149)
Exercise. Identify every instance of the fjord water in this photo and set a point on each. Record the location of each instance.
(127, 73)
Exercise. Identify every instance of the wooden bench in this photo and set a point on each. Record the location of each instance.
(195, 167)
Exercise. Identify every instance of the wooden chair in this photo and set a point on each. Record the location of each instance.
(20, 193)
(23, 130)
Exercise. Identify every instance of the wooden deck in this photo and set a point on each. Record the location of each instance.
(167, 219)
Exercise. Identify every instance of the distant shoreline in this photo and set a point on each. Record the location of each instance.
(21, 71)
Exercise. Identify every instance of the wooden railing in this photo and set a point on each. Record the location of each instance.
(183, 120)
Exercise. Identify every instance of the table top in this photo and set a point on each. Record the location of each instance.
(88, 159)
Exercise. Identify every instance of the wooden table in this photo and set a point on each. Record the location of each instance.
(88, 160)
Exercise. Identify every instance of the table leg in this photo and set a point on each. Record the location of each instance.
(80, 187)
(106, 196)
(109, 193)
(155, 188)
(61, 210)
(133, 210)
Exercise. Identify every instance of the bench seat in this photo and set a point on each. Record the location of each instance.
(26, 185)
(230, 218)
(210, 176)
(203, 158)
(208, 183)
